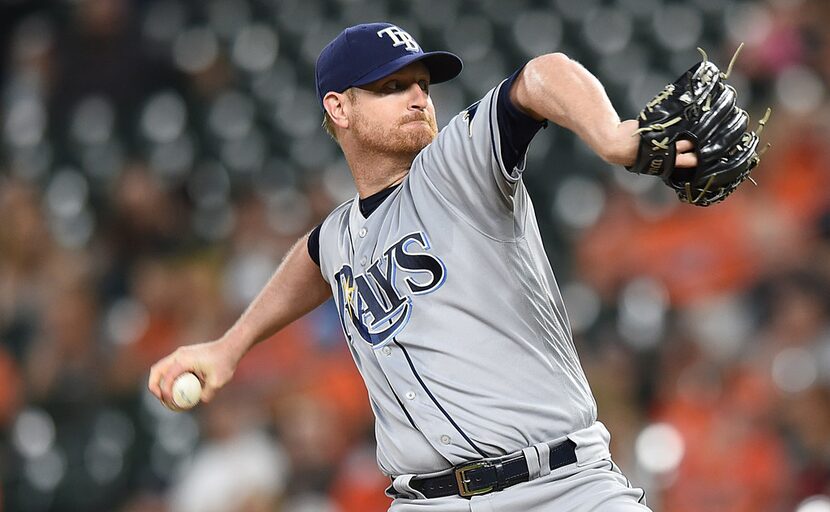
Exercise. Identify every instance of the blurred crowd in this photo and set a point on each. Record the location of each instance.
(159, 157)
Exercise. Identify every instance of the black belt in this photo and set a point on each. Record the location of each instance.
(489, 475)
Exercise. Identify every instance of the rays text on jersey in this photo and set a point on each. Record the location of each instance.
(377, 303)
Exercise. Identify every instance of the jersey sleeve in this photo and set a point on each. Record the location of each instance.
(313, 244)
(516, 129)
(477, 160)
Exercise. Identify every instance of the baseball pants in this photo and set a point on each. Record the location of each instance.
(597, 487)
(593, 484)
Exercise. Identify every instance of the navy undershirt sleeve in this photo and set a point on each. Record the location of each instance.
(314, 244)
(517, 129)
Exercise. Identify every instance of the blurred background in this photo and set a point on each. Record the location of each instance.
(159, 157)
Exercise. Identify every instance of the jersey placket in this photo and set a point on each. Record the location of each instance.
(421, 404)
(412, 393)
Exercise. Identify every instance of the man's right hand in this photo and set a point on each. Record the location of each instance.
(296, 288)
(213, 362)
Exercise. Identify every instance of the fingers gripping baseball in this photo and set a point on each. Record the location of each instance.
(208, 361)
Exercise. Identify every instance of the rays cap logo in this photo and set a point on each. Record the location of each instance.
(364, 53)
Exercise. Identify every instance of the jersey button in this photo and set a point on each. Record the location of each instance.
(363, 261)
(362, 232)
(386, 351)
(445, 439)
(410, 395)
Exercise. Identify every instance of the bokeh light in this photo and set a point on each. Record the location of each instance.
(794, 370)
(579, 202)
(33, 433)
(584, 305)
(814, 504)
(643, 303)
(659, 448)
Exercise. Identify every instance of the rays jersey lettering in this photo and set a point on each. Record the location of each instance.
(376, 302)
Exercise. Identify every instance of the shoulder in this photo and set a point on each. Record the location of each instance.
(460, 128)
(339, 214)
(341, 209)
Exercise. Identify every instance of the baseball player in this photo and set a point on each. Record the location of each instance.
(444, 291)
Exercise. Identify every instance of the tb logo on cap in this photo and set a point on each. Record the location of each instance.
(399, 37)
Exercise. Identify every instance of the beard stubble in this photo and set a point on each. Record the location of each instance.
(375, 137)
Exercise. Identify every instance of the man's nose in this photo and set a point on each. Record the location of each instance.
(418, 97)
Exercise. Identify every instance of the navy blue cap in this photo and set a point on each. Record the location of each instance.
(368, 52)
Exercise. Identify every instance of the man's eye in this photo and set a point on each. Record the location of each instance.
(424, 85)
(392, 86)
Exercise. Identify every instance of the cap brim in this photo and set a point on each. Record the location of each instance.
(442, 66)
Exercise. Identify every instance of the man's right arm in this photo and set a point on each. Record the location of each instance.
(296, 288)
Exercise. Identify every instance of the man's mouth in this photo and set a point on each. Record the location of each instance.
(415, 120)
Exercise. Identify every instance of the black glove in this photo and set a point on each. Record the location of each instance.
(701, 108)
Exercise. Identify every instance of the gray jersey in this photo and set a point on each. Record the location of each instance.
(451, 310)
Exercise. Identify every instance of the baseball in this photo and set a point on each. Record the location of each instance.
(187, 390)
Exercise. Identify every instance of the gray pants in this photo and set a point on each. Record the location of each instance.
(597, 486)
(594, 483)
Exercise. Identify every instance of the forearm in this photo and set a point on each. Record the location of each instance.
(296, 288)
(558, 89)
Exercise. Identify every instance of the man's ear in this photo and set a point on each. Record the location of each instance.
(337, 105)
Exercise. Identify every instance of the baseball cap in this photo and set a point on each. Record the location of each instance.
(364, 53)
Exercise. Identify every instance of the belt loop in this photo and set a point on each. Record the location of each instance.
(533, 466)
(543, 449)
(500, 482)
(401, 485)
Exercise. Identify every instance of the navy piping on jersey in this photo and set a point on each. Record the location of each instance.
(505, 171)
(437, 404)
(411, 421)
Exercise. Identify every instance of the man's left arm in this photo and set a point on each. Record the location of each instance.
(559, 89)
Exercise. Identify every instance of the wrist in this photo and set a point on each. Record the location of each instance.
(235, 344)
(622, 144)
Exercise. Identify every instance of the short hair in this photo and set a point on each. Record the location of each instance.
(328, 123)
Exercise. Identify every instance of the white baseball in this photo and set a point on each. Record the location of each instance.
(187, 391)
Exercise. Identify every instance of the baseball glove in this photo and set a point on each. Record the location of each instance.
(699, 107)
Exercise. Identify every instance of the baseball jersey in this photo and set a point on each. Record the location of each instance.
(450, 307)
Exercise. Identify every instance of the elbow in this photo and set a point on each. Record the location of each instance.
(550, 64)
(543, 72)
(539, 76)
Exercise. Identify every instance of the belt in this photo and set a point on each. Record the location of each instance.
(489, 475)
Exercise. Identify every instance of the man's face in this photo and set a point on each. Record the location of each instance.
(395, 114)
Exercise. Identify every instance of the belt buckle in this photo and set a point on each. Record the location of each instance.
(463, 487)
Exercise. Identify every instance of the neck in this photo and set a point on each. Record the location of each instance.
(375, 172)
